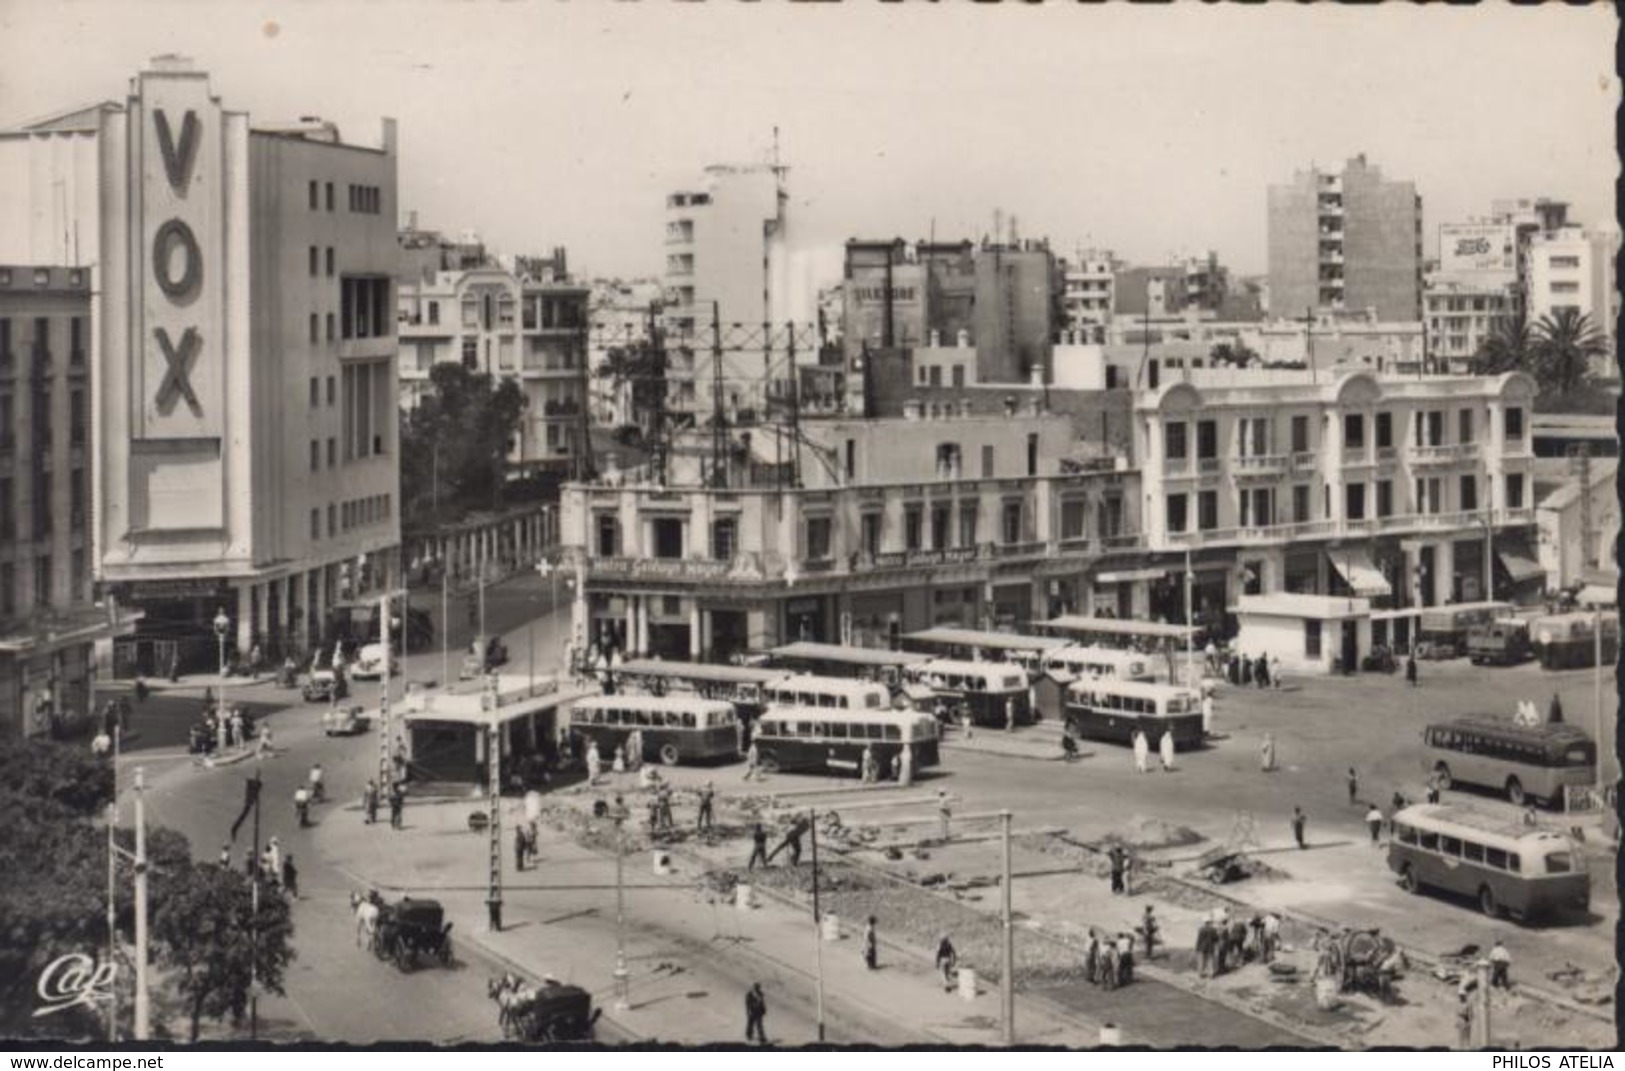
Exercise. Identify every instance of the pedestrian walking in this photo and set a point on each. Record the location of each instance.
(867, 764)
(1069, 745)
(1207, 713)
(1261, 671)
(1275, 672)
(1433, 789)
(947, 963)
(1298, 822)
(966, 725)
(1272, 934)
(756, 1014)
(871, 945)
(758, 851)
(1500, 966)
(518, 848)
(1246, 670)
(1266, 753)
(1129, 865)
(1149, 930)
(264, 748)
(1009, 715)
(272, 860)
(1554, 712)
(792, 841)
(619, 763)
(1166, 751)
(752, 759)
(1125, 958)
(301, 806)
(397, 806)
(663, 805)
(1354, 785)
(1110, 966)
(905, 765)
(1115, 856)
(318, 790)
(1410, 669)
(290, 878)
(702, 821)
(595, 763)
(1142, 752)
(369, 801)
(1204, 949)
(1373, 822)
(1091, 957)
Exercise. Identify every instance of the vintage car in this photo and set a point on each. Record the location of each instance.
(369, 663)
(325, 686)
(346, 721)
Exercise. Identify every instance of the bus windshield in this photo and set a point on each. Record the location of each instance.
(1562, 863)
(1578, 754)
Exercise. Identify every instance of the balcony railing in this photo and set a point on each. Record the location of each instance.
(1074, 543)
(1025, 549)
(1253, 464)
(1124, 541)
(1303, 462)
(1207, 466)
(1443, 455)
(1385, 454)
(1176, 466)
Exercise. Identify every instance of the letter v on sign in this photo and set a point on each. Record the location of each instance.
(178, 159)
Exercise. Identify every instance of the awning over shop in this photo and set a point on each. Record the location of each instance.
(1362, 576)
(1519, 565)
(1598, 595)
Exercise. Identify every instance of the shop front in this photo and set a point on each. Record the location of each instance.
(876, 619)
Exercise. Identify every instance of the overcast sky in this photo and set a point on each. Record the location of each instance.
(1149, 131)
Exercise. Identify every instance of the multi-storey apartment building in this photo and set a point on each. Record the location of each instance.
(1573, 268)
(1380, 486)
(242, 348)
(1087, 294)
(50, 622)
(897, 525)
(1462, 313)
(1345, 240)
(509, 325)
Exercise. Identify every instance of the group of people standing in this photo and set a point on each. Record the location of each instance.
(1109, 961)
(1142, 751)
(1223, 943)
(397, 803)
(1263, 671)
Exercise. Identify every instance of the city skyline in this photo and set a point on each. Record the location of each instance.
(615, 122)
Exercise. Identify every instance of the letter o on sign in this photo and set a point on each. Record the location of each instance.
(172, 232)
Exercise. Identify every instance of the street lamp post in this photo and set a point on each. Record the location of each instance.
(622, 987)
(222, 624)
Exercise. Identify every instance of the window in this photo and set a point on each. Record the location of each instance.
(315, 324)
(315, 391)
(1176, 513)
(1464, 426)
(871, 533)
(1514, 423)
(1565, 287)
(8, 590)
(818, 529)
(1449, 845)
(471, 353)
(1353, 431)
(315, 524)
(332, 327)
(332, 452)
(1496, 857)
(8, 518)
(313, 204)
(1354, 501)
(1173, 441)
(1435, 427)
(315, 455)
(724, 538)
(1472, 853)
(330, 203)
(365, 310)
(332, 521)
(332, 390)
(330, 251)
(1073, 521)
(1385, 498)
(1469, 493)
(911, 528)
(667, 533)
(315, 260)
(1514, 490)
(609, 536)
(1207, 510)
(42, 583)
(7, 432)
(939, 527)
(1300, 435)
(967, 524)
(1564, 262)
(1385, 430)
(851, 459)
(1428, 841)
(1406, 834)
(1012, 522)
(1032, 454)
(76, 418)
(1311, 639)
(434, 312)
(1207, 438)
(987, 462)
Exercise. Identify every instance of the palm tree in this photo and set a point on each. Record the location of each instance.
(1565, 342)
(1506, 349)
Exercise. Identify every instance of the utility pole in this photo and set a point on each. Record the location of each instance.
(112, 919)
(1309, 339)
(795, 408)
(493, 770)
(818, 926)
(583, 454)
(1596, 697)
(1190, 620)
(445, 627)
(384, 727)
(256, 877)
(1482, 1031)
(143, 1004)
(622, 986)
(1007, 983)
(719, 429)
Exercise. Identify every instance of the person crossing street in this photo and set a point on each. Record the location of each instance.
(702, 822)
(756, 1014)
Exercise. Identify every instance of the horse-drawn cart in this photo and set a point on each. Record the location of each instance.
(545, 1013)
(412, 930)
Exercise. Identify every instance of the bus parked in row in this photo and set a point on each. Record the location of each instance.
(1074, 663)
(1569, 641)
(1104, 708)
(993, 693)
(815, 740)
(979, 645)
(1442, 630)
(827, 693)
(840, 660)
(1503, 865)
(1502, 642)
(676, 729)
(1527, 762)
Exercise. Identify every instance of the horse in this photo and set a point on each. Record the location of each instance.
(366, 919)
(512, 997)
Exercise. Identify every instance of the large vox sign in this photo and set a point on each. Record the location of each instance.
(181, 222)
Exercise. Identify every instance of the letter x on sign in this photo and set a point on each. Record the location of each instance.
(177, 379)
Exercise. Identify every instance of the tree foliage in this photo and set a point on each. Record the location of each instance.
(642, 365)
(1506, 349)
(1565, 344)
(455, 444)
(1237, 355)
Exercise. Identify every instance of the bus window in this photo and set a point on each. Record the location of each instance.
(1559, 863)
(871, 701)
(1407, 834)
(1429, 841)
(1496, 857)
(804, 728)
(641, 717)
(826, 702)
(1578, 754)
(1450, 845)
(688, 719)
(893, 733)
(1513, 862)
(838, 730)
(1473, 853)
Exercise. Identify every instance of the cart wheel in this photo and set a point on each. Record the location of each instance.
(668, 754)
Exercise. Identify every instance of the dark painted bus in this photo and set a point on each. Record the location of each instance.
(828, 741)
(675, 729)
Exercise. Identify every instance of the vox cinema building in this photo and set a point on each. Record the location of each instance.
(244, 396)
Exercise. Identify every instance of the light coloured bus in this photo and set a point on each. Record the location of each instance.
(817, 740)
(994, 693)
(1442, 630)
(1075, 663)
(1525, 762)
(842, 660)
(982, 645)
(1104, 708)
(1504, 865)
(826, 693)
(675, 728)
